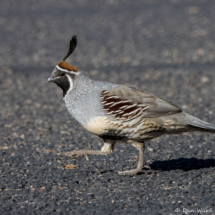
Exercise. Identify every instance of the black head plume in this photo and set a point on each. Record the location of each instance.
(73, 43)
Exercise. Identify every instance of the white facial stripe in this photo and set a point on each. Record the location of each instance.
(71, 72)
(70, 84)
(61, 69)
(65, 70)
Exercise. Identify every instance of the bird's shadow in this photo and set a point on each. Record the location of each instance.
(185, 164)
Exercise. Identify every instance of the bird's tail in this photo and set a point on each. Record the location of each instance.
(196, 124)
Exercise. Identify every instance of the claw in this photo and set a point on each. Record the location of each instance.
(86, 157)
(73, 155)
(147, 167)
(129, 172)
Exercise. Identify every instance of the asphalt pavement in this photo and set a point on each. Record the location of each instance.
(164, 47)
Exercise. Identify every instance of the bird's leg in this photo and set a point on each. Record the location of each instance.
(106, 149)
(140, 147)
(108, 146)
(76, 154)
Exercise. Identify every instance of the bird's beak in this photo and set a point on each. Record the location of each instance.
(50, 79)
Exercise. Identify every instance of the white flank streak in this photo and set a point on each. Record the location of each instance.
(123, 107)
(125, 124)
(138, 114)
(118, 111)
(113, 97)
(127, 114)
(126, 130)
(138, 127)
(110, 112)
(116, 103)
(134, 111)
(145, 108)
(142, 105)
(113, 104)
(133, 122)
(109, 103)
(131, 106)
(133, 117)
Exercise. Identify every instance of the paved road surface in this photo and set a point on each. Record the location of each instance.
(164, 47)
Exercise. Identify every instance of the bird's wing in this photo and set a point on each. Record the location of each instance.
(127, 103)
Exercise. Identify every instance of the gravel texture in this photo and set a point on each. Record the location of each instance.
(164, 47)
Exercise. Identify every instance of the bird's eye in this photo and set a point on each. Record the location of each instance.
(62, 74)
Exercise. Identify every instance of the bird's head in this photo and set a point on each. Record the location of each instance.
(65, 74)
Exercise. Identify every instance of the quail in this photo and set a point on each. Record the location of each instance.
(119, 113)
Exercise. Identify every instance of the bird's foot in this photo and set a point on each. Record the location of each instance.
(147, 167)
(74, 154)
(130, 172)
(134, 171)
(80, 153)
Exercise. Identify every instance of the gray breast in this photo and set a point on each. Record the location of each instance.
(85, 105)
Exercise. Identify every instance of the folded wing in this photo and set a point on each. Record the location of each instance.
(127, 103)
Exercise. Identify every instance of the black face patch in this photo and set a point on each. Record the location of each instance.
(63, 83)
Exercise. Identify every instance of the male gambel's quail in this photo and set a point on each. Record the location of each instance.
(118, 113)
